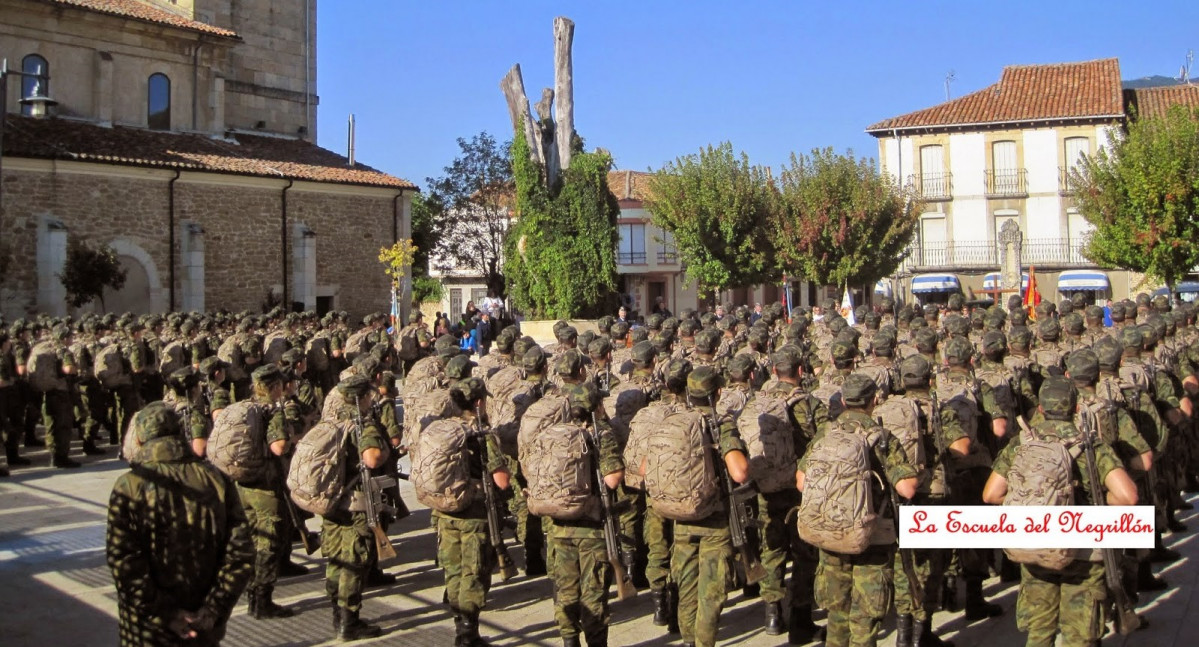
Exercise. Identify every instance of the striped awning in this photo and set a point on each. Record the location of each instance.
(994, 279)
(1183, 287)
(1082, 280)
(935, 283)
(883, 287)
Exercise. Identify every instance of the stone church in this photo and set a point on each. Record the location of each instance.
(182, 134)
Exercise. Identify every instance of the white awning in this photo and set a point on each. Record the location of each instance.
(935, 283)
(883, 287)
(1082, 280)
(994, 279)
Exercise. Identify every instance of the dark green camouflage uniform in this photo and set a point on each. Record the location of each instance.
(264, 510)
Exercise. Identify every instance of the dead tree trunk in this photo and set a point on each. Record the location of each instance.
(513, 86)
(564, 35)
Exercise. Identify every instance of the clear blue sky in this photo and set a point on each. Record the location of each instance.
(655, 80)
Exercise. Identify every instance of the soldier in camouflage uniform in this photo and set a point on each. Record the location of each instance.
(578, 558)
(1070, 600)
(185, 398)
(57, 411)
(11, 410)
(346, 540)
(463, 549)
(175, 587)
(857, 589)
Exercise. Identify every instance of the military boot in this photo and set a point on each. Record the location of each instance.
(336, 615)
(598, 638)
(977, 608)
(570, 641)
(1146, 581)
(353, 628)
(949, 594)
(661, 607)
(263, 607)
(923, 636)
(65, 462)
(673, 625)
(90, 448)
(470, 623)
(461, 636)
(636, 572)
(534, 563)
(800, 629)
(903, 630)
(17, 460)
(774, 618)
(376, 577)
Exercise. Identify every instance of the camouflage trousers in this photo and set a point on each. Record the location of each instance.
(701, 566)
(1070, 600)
(59, 421)
(467, 559)
(125, 403)
(581, 574)
(658, 535)
(11, 419)
(264, 512)
(929, 568)
(529, 528)
(856, 590)
(631, 517)
(780, 543)
(346, 543)
(93, 408)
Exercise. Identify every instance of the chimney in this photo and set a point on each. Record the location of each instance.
(350, 145)
(628, 185)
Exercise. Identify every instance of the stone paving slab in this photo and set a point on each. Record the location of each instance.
(58, 591)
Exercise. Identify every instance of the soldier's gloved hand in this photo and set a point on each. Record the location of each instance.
(203, 621)
(180, 624)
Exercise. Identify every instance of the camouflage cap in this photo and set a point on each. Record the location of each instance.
(958, 350)
(1045, 309)
(654, 321)
(533, 359)
(604, 323)
(187, 327)
(1049, 329)
(994, 320)
(703, 382)
(643, 354)
(505, 340)
(956, 324)
(559, 325)
(858, 390)
(366, 364)
(706, 341)
(707, 320)
(1143, 299)
(1095, 313)
(688, 328)
(828, 303)
(670, 323)
(582, 395)
(918, 322)
(843, 351)
(599, 348)
(210, 365)
(471, 389)
(726, 323)
(676, 372)
(566, 333)
(872, 319)
(1083, 365)
(639, 334)
(1161, 303)
(1018, 317)
(915, 369)
(293, 356)
(956, 301)
(1078, 300)
(905, 314)
(619, 330)
(584, 341)
(1108, 352)
(415, 316)
(759, 337)
(183, 379)
(1073, 323)
(883, 344)
(155, 420)
(569, 363)
(1065, 307)
(1117, 313)
(994, 342)
(740, 367)
(459, 367)
(861, 311)
(931, 310)
(446, 346)
(354, 387)
(523, 345)
(1130, 310)
(836, 324)
(268, 375)
(786, 361)
(925, 340)
(662, 342)
(1058, 398)
(61, 331)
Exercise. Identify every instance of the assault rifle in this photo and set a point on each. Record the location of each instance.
(906, 557)
(373, 496)
(603, 381)
(624, 585)
(1127, 620)
(738, 496)
(938, 433)
(495, 525)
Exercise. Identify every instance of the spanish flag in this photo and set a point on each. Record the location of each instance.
(1032, 296)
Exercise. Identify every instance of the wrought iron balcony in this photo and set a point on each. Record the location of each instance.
(1065, 183)
(985, 254)
(933, 187)
(1006, 183)
(630, 258)
(667, 257)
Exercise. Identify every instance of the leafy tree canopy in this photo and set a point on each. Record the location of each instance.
(87, 271)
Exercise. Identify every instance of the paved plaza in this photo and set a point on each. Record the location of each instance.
(58, 591)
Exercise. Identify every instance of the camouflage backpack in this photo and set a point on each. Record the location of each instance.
(960, 391)
(109, 367)
(274, 346)
(441, 466)
(423, 410)
(881, 375)
(1041, 473)
(84, 363)
(1001, 383)
(640, 429)
(765, 426)
(623, 402)
(317, 352)
(230, 353)
(357, 344)
(408, 347)
(680, 473)
(550, 410)
(732, 401)
(317, 476)
(506, 408)
(836, 512)
(829, 392)
(237, 445)
(556, 463)
(42, 369)
(174, 357)
(1103, 409)
(902, 417)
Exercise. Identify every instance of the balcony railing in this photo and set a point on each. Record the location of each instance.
(1065, 183)
(630, 258)
(968, 255)
(1007, 183)
(667, 257)
(933, 187)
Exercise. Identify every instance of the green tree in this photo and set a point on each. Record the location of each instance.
(425, 234)
(87, 271)
(561, 251)
(469, 207)
(1142, 195)
(718, 208)
(841, 221)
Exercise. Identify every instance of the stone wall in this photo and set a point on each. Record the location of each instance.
(238, 221)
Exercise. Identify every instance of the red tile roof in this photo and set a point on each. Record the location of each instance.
(1027, 93)
(1156, 102)
(629, 185)
(240, 154)
(145, 12)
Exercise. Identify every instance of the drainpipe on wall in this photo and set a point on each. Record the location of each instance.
(196, 84)
(395, 217)
(171, 238)
(283, 246)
